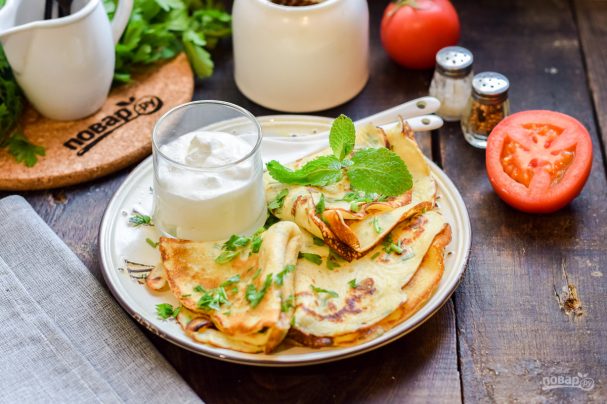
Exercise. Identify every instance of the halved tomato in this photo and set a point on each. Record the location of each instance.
(538, 161)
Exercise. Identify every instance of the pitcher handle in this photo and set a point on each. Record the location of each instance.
(121, 18)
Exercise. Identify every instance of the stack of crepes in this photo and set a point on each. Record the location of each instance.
(335, 278)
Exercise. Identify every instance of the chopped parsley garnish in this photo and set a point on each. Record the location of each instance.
(390, 246)
(376, 225)
(230, 281)
(199, 289)
(256, 274)
(256, 240)
(371, 170)
(317, 290)
(354, 206)
(152, 243)
(279, 201)
(318, 241)
(165, 310)
(236, 245)
(137, 219)
(213, 299)
(333, 260)
(375, 255)
(255, 296)
(320, 206)
(353, 283)
(279, 278)
(287, 304)
(313, 258)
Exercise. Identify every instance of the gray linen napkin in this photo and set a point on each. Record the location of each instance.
(62, 337)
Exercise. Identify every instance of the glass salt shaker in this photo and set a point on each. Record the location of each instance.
(452, 81)
(487, 106)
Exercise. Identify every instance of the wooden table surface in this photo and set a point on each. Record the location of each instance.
(503, 332)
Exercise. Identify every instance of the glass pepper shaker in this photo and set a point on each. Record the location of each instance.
(487, 106)
(452, 81)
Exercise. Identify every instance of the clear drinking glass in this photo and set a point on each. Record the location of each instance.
(208, 185)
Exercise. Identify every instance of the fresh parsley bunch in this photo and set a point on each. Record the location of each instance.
(160, 29)
(371, 170)
(11, 108)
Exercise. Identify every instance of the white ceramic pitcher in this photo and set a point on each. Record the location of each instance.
(300, 59)
(64, 65)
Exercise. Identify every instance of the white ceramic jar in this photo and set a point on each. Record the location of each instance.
(301, 59)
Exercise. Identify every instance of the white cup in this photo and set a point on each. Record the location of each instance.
(301, 59)
(64, 65)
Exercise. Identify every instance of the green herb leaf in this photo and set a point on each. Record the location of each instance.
(226, 256)
(137, 219)
(381, 171)
(165, 310)
(376, 225)
(256, 274)
(353, 283)
(374, 256)
(255, 296)
(320, 206)
(390, 246)
(256, 240)
(160, 29)
(313, 258)
(152, 243)
(230, 281)
(342, 136)
(318, 241)
(279, 278)
(287, 304)
(213, 299)
(333, 260)
(23, 151)
(325, 291)
(279, 201)
(322, 171)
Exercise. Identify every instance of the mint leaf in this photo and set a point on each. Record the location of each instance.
(324, 170)
(379, 171)
(342, 136)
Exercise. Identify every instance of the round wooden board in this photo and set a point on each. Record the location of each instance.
(118, 135)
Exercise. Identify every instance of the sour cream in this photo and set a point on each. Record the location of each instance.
(210, 194)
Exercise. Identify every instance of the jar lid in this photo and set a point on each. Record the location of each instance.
(490, 86)
(454, 61)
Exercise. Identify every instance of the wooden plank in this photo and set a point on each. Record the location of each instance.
(512, 332)
(592, 25)
(419, 368)
(422, 367)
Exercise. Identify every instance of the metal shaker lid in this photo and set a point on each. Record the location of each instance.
(490, 86)
(454, 61)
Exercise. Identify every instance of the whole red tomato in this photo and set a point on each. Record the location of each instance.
(413, 31)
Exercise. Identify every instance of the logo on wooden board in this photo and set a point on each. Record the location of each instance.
(126, 112)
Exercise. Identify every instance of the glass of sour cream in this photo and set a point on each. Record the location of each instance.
(208, 172)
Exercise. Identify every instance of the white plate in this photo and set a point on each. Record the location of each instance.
(119, 241)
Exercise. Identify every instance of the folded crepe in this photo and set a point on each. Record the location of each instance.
(359, 300)
(353, 233)
(245, 304)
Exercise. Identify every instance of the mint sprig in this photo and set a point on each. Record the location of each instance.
(342, 137)
(370, 170)
(379, 171)
(321, 171)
